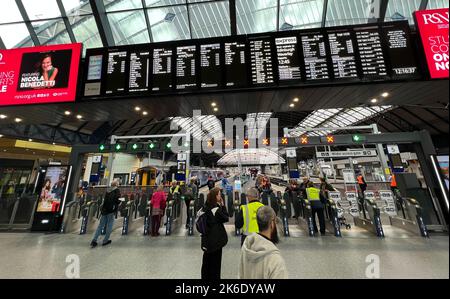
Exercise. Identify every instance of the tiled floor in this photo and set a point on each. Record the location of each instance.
(26, 255)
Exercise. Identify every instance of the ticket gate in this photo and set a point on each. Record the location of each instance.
(173, 211)
(90, 215)
(284, 213)
(135, 213)
(370, 219)
(72, 217)
(305, 220)
(331, 218)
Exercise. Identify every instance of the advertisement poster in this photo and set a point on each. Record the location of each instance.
(443, 164)
(53, 189)
(433, 28)
(38, 75)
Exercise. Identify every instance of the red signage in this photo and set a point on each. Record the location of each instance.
(38, 75)
(433, 28)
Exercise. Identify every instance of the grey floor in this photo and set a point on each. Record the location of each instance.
(35, 255)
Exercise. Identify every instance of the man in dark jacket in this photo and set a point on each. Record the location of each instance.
(216, 236)
(211, 183)
(109, 209)
(293, 191)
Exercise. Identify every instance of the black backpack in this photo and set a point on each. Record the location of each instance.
(110, 203)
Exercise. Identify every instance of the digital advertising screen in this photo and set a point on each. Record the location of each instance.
(53, 189)
(443, 165)
(433, 28)
(37, 75)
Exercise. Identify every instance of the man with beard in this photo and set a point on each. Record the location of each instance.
(260, 258)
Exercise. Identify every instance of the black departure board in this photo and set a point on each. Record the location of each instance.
(288, 59)
(261, 61)
(315, 56)
(343, 57)
(139, 71)
(236, 74)
(401, 57)
(115, 72)
(186, 67)
(162, 78)
(210, 65)
(373, 62)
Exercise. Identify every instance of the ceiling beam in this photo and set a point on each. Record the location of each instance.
(103, 25)
(233, 18)
(423, 5)
(437, 115)
(427, 123)
(147, 21)
(324, 13)
(2, 44)
(27, 22)
(66, 21)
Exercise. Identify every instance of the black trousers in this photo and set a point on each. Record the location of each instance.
(187, 202)
(243, 239)
(212, 265)
(320, 214)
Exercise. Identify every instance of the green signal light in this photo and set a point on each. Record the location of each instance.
(118, 147)
(186, 144)
(151, 145)
(169, 145)
(135, 146)
(358, 138)
(102, 147)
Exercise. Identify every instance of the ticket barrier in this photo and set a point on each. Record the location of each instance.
(72, 217)
(305, 220)
(135, 214)
(331, 218)
(284, 213)
(90, 211)
(371, 217)
(173, 213)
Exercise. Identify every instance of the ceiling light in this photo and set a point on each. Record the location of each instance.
(145, 113)
(216, 109)
(17, 120)
(385, 94)
(374, 101)
(67, 112)
(30, 140)
(213, 104)
(79, 116)
(2, 116)
(53, 143)
(292, 105)
(1, 135)
(137, 108)
(296, 100)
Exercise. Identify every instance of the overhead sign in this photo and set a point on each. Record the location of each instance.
(393, 149)
(433, 29)
(38, 75)
(349, 176)
(347, 154)
(291, 153)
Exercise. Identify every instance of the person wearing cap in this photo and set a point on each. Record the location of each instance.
(246, 217)
(260, 257)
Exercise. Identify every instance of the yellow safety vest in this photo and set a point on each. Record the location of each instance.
(176, 190)
(313, 194)
(249, 212)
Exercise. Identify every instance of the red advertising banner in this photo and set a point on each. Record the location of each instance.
(37, 75)
(433, 28)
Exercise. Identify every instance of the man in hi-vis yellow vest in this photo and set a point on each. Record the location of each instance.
(317, 206)
(246, 218)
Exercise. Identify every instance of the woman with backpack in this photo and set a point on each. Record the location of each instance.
(215, 237)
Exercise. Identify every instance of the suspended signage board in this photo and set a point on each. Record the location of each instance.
(433, 28)
(347, 154)
(393, 149)
(291, 153)
(389, 204)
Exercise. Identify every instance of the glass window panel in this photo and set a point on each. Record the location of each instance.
(86, 32)
(42, 9)
(301, 14)
(51, 32)
(157, 3)
(401, 10)
(435, 4)
(129, 27)
(9, 12)
(15, 35)
(115, 5)
(255, 16)
(345, 12)
(77, 7)
(169, 23)
(210, 19)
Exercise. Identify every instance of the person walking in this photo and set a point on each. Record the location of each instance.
(317, 206)
(216, 237)
(109, 209)
(246, 217)
(260, 257)
(189, 195)
(158, 206)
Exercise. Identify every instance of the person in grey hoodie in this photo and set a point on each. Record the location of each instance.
(260, 258)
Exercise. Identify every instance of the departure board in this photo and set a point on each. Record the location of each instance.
(186, 67)
(315, 57)
(162, 77)
(401, 57)
(261, 61)
(288, 59)
(235, 64)
(373, 62)
(343, 55)
(210, 65)
(115, 72)
(139, 71)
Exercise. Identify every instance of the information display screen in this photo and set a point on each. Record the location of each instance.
(342, 50)
(162, 76)
(115, 72)
(401, 57)
(373, 63)
(186, 67)
(261, 61)
(315, 57)
(289, 68)
(210, 65)
(236, 74)
(139, 71)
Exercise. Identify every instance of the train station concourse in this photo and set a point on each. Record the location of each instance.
(241, 140)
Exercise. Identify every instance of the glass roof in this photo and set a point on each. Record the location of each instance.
(250, 157)
(31, 22)
(336, 118)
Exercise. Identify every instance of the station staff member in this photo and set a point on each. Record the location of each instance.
(317, 206)
(246, 217)
(362, 183)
